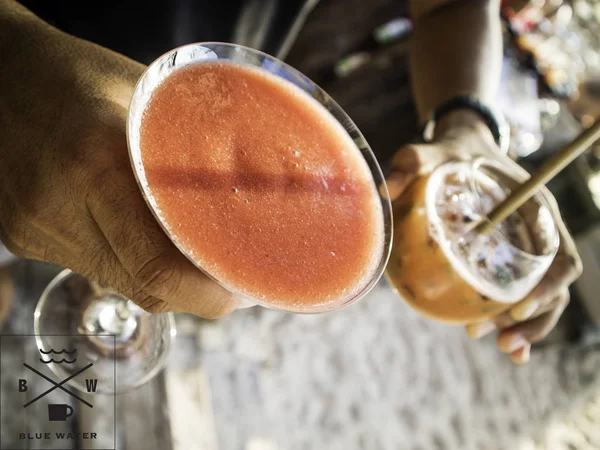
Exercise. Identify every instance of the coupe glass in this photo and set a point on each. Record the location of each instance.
(79, 324)
(200, 53)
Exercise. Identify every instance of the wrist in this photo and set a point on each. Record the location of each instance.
(461, 121)
(467, 114)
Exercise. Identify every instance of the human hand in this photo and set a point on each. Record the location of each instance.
(67, 190)
(464, 136)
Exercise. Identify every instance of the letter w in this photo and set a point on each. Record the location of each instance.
(91, 384)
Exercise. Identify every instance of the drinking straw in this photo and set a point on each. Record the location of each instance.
(539, 178)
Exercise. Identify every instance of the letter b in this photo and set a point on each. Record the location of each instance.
(22, 385)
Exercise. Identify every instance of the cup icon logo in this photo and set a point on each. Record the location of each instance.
(59, 413)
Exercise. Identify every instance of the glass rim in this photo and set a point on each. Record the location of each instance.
(539, 197)
(448, 243)
(324, 100)
(57, 370)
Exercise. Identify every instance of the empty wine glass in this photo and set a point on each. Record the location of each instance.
(84, 330)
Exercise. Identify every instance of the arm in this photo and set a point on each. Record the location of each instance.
(67, 191)
(457, 49)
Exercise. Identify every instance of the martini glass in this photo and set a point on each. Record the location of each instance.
(80, 326)
(200, 53)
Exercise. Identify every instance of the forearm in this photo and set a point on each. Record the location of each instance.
(25, 44)
(16, 25)
(26, 87)
(41, 65)
(456, 49)
(11, 8)
(16, 43)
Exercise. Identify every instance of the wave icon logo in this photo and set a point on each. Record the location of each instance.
(65, 359)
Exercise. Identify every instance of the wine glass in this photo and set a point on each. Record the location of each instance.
(84, 329)
(200, 53)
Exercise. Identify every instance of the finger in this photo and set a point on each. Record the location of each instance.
(522, 355)
(99, 263)
(420, 159)
(478, 330)
(539, 298)
(525, 309)
(159, 275)
(412, 161)
(533, 330)
(563, 271)
(405, 169)
(396, 182)
(542, 299)
(505, 320)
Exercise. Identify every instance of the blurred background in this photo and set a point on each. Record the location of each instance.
(550, 91)
(376, 375)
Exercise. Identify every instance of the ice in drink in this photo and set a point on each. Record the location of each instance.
(451, 275)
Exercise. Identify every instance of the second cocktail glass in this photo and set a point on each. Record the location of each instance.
(452, 275)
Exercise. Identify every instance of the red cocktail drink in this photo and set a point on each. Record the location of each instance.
(261, 187)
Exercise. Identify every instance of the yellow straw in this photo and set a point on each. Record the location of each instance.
(548, 171)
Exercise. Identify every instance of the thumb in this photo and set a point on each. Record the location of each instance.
(412, 161)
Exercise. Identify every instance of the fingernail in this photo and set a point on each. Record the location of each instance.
(513, 343)
(521, 356)
(525, 355)
(524, 310)
(478, 330)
